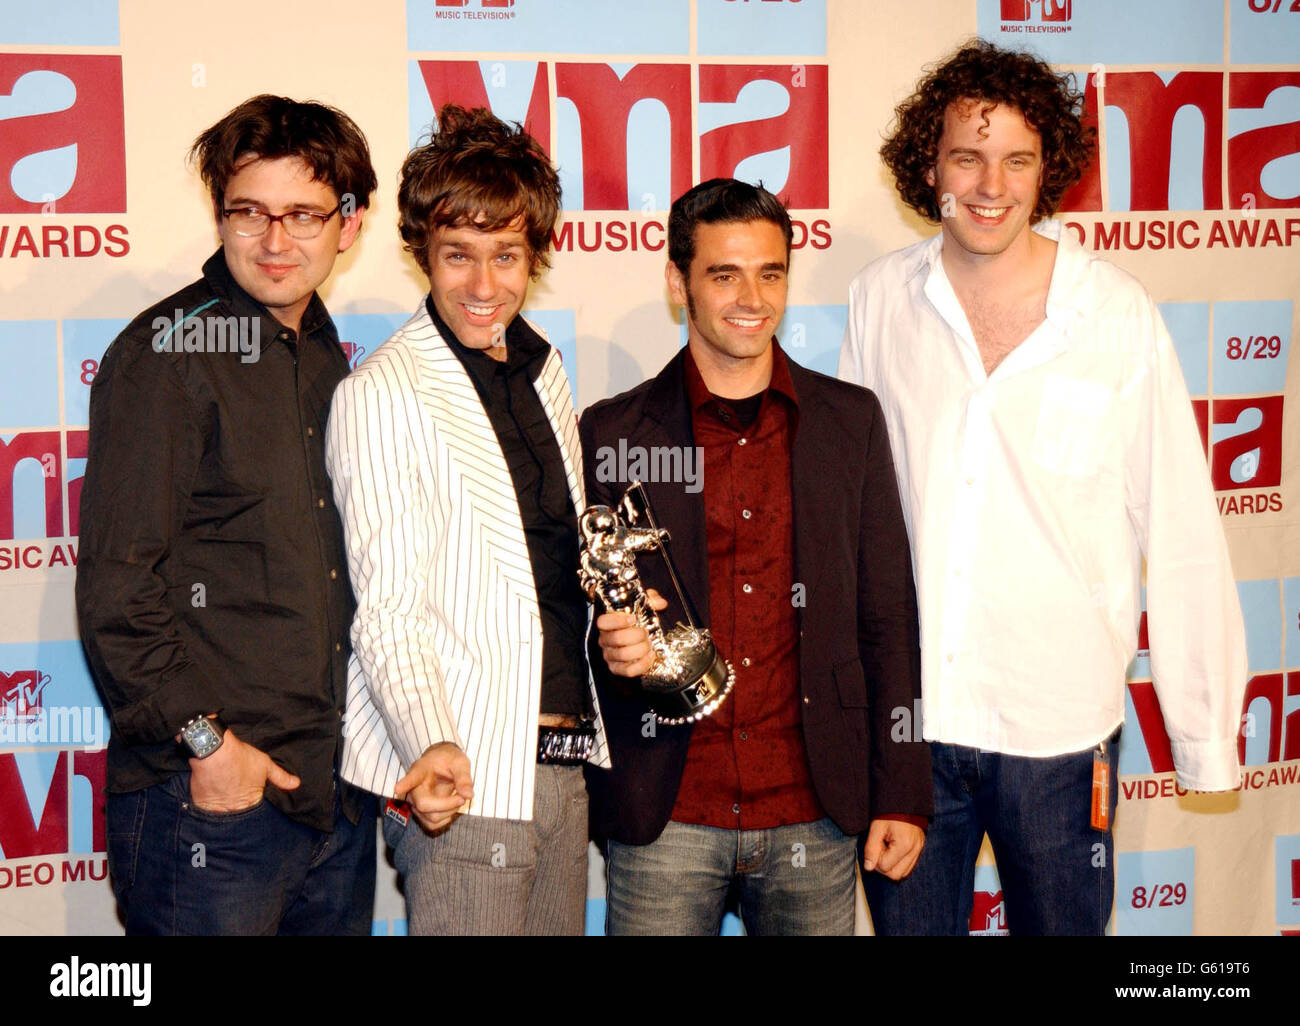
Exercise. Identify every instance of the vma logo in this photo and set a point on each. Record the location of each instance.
(1037, 10)
(1168, 139)
(62, 137)
(623, 136)
(32, 477)
(20, 695)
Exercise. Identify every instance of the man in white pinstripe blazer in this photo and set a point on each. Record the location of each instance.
(455, 460)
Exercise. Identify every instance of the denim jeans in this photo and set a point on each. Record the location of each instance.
(176, 869)
(1057, 872)
(791, 880)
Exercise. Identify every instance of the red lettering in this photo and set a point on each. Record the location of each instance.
(49, 873)
(20, 836)
(1150, 107)
(1267, 438)
(1152, 726)
(76, 240)
(1245, 230)
(54, 236)
(645, 236)
(461, 82)
(116, 235)
(43, 447)
(803, 127)
(604, 101)
(1249, 152)
(78, 442)
(94, 123)
(93, 768)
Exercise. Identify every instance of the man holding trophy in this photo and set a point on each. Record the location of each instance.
(747, 763)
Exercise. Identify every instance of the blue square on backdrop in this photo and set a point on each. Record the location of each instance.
(29, 387)
(1189, 327)
(1154, 893)
(561, 331)
(1291, 621)
(1261, 611)
(84, 342)
(760, 29)
(1263, 37)
(60, 23)
(1246, 334)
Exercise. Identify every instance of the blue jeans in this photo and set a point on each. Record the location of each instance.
(178, 870)
(791, 880)
(1057, 872)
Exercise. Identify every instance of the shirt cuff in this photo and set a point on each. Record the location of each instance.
(1207, 765)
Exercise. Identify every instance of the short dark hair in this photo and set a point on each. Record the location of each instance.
(717, 201)
(322, 137)
(994, 77)
(477, 171)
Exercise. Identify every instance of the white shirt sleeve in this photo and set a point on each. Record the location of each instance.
(1194, 621)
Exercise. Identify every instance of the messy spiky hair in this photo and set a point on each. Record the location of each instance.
(477, 171)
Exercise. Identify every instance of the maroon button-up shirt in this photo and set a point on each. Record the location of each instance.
(746, 767)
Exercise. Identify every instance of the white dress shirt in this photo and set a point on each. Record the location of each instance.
(1031, 495)
(447, 638)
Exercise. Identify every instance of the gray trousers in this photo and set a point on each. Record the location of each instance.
(486, 876)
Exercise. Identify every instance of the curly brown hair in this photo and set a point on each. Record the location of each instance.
(981, 71)
(479, 172)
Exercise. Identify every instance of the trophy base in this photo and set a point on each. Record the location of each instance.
(698, 699)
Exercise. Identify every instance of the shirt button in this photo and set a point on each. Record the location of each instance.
(746, 514)
(807, 700)
(334, 575)
(736, 808)
(746, 588)
(950, 657)
(744, 735)
(742, 441)
(320, 503)
(310, 431)
(970, 480)
(338, 646)
(745, 661)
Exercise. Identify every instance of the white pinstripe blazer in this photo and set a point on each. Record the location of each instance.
(447, 639)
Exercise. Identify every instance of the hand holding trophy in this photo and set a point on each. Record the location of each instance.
(689, 678)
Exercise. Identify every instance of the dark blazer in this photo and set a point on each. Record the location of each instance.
(859, 655)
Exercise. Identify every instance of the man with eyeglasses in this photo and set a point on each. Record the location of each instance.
(212, 588)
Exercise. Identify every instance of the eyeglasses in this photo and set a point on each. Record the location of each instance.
(297, 224)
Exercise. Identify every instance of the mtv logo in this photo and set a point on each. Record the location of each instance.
(63, 140)
(20, 695)
(988, 913)
(1049, 10)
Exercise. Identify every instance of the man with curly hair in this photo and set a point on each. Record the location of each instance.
(454, 455)
(1044, 445)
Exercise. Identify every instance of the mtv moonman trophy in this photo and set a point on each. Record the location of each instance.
(689, 679)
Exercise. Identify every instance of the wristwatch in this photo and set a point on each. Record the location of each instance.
(203, 735)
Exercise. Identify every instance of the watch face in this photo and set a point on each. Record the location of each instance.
(202, 738)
